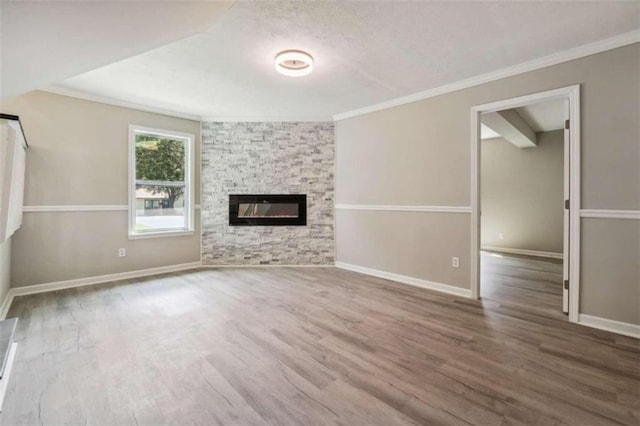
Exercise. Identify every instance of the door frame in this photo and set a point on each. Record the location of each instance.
(572, 93)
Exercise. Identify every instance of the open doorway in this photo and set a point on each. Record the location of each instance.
(522, 206)
(525, 170)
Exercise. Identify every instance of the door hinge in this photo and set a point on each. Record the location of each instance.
(566, 124)
(566, 204)
(566, 284)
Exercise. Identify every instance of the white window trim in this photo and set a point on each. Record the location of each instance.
(189, 181)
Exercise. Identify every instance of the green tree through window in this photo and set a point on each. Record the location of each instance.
(161, 160)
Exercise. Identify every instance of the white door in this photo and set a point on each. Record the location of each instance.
(566, 254)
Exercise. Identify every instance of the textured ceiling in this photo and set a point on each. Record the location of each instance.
(365, 53)
(44, 42)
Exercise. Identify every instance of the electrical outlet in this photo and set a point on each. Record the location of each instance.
(455, 262)
(122, 252)
(500, 236)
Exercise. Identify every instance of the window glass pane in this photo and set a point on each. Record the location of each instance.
(160, 208)
(160, 175)
(159, 158)
(258, 210)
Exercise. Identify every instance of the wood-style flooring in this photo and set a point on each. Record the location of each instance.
(523, 282)
(315, 346)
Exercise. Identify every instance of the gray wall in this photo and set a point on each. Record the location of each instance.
(78, 156)
(268, 158)
(611, 279)
(522, 193)
(419, 154)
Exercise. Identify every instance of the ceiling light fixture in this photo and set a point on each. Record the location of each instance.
(294, 63)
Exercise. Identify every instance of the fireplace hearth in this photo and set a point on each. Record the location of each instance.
(268, 210)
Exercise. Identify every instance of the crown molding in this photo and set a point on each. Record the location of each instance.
(267, 118)
(64, 91)
(543, 62)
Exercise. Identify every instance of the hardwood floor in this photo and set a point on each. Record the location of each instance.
(523, 282)
(311, 346)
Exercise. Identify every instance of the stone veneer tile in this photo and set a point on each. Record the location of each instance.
(268, 158)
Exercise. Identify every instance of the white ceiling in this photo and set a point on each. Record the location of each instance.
(540, 117)
(365, 53)
(44, 42)
(543, 116)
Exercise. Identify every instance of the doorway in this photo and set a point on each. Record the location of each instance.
(516, 124)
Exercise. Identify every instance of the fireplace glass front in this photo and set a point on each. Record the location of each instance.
(267, 210)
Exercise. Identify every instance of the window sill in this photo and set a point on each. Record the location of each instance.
(160, 234)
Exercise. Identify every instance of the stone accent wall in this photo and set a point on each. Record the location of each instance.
(268, 158)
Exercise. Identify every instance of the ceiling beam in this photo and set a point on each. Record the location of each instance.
(511, 127)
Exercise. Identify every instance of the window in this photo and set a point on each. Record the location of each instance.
(160, 182)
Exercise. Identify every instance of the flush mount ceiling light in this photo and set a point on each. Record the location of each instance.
(294, 63)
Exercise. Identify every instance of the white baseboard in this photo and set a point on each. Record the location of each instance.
(624, 328)
(4, 382)
(80, 282)
(416, 282)
(6, 304)
(535, 253)
(330, 265)
(521, 68)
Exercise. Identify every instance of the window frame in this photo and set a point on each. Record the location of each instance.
(189, 193)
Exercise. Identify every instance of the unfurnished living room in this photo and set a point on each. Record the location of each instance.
(319, 213)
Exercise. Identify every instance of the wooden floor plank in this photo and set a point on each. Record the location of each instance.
(317, 346)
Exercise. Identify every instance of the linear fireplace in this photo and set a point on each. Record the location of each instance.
(267, 210)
